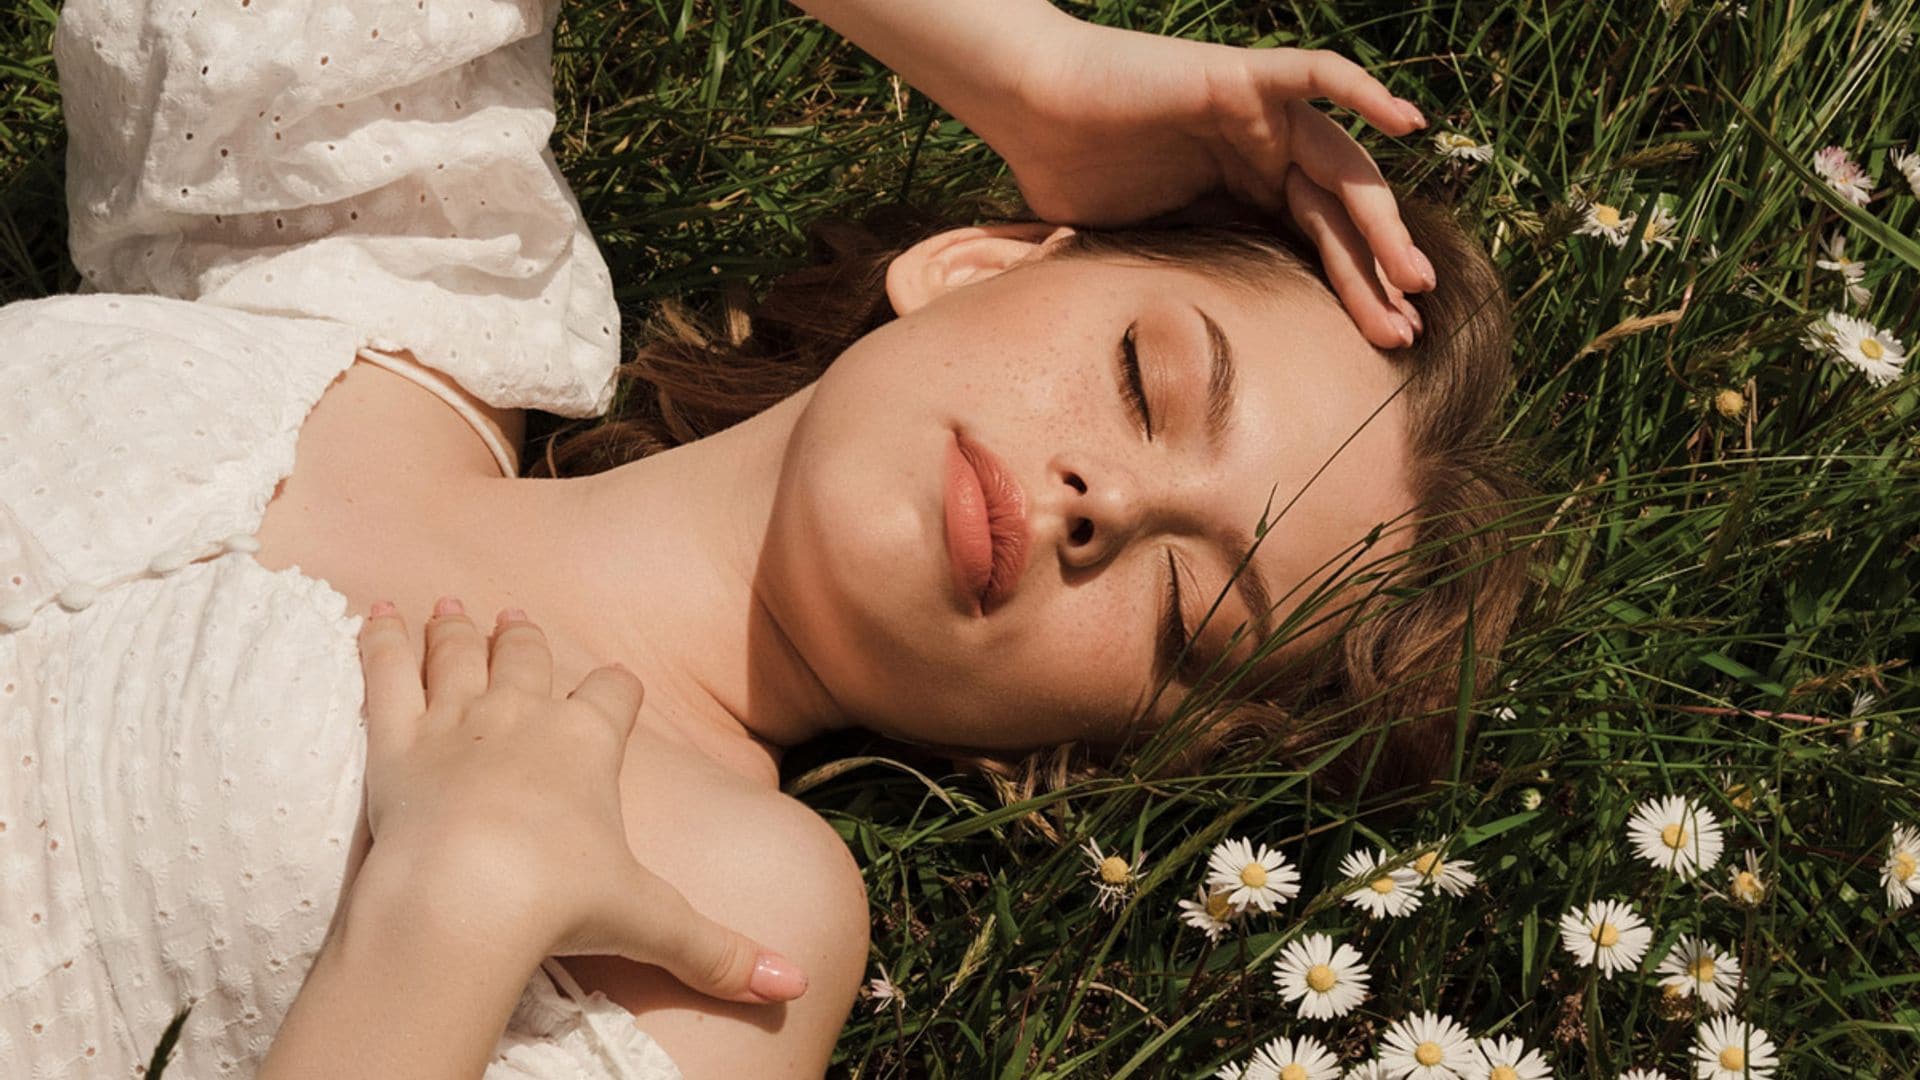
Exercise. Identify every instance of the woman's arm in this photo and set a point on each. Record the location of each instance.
(1103, 126)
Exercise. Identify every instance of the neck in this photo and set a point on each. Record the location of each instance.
(653, 564)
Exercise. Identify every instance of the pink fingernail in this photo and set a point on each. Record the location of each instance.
(1402, 327)
(512, 614)
(776, 978)
(1424, 266)
(447, 605)
(1412, 112)
(379, 608)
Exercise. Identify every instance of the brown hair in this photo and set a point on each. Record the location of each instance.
(1393, 674)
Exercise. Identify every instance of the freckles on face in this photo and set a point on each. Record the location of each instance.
(1029, 364)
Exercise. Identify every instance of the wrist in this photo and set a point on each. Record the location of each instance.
(452, 894)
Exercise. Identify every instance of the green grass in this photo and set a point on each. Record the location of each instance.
(1722, 588)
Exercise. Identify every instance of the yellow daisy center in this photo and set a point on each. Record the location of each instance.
(1607, 216)
(1605, 935)
(1732, 403)
(1746, 886)
(1503, 1072)
(1871, 349)
(1673, 836)
(1293, 1071)
(1703, 969)
(1733, 1059)
(1113, 870)
(1458, 141)
(1429, 1053)
(1427, 863)
(1673, 992)
(1320, 977)
(1254, 876)
(1217, 905)
(1381, 885)
(1904, 865)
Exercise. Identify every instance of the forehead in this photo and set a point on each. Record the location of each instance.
(1317, 443)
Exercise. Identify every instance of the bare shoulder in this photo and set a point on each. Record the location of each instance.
(770, 867)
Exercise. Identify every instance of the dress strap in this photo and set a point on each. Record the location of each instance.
(442, 388)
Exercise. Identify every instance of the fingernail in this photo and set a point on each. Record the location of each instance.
(447, 605)
(1413, 315)
(1413, 112)
(379, 608)
(512, 614)
(1402, 327)
(1424, 267)
(776, 979)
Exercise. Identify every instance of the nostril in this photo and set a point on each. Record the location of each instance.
(1079, 485)
(1082, 531)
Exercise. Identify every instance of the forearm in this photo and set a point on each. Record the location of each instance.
(406, 985)
(970, 57)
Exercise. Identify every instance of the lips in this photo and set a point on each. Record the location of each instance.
(986, 525)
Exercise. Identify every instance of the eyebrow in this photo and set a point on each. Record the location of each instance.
(1251, 584)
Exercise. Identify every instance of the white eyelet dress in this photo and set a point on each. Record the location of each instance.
(181, 745)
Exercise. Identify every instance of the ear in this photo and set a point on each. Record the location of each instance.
(945, 261)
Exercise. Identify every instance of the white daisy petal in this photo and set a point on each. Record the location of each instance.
(1304, 1058)
(1859, 344)
(1507, 1058)
(1605, 220)
(1900, 874)
(1728, 1049)
(1209, 912)
(1427, 1047)
(1677, 834)
(1606, 934)
(1326, 980)
(1695, 966)
(1263, 879)
(1843, 174)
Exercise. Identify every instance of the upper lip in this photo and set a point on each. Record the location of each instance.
(1006, 504)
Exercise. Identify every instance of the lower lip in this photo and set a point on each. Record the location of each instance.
(969, 542)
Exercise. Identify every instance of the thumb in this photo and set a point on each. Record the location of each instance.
(660, 927)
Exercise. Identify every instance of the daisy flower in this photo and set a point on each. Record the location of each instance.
(1113, 877)
(1745, 885)
(1694, 965)
(1367, 1070)
(1660, 228)
(1389, 892)
(1842, 174)
(1460, 147)
(1451, 876)
(1901, 873)
(1263, 880)
(1209, 912)
(882, 991)
(1851, 271)
(1644, 1074)
(1727, 1049)
(1856, 342)
(1326, 980)
(1909, 167)
(1427, 1047)
(1507, 1058)
(1294, 1059)
(1602, 219)
(1606, 933)
(1677, 834)
(1862, 705)
(1230, 1071)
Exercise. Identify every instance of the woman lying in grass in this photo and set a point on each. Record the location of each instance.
(996, 487)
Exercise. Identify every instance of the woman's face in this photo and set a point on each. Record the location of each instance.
(1023, 354)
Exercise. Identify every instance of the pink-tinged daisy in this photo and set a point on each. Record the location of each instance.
(1507, 1058)
(1428, 1047)
(1696, 966)
(1607, 934)
(1843, 174)
(1326, 980)
(1113, 877)
(1677, 834)
(1727, 1049)
(1900, 874)
(1858, 344)
(1263, 880)
(1294, 1059)
(1381, 892)
(1209, 912)
(882, 992)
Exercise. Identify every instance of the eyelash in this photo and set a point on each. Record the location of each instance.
(1132, 386)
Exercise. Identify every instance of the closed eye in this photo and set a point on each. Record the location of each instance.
(1131, 386)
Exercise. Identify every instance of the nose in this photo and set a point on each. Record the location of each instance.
(1095, 511)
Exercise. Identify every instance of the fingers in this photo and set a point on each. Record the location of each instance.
(456, 655)
(616, 692)
(395, 698)
(1320, 73)
(1331, 159)
(521, 658)
(1348, 263)
(708, 957)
